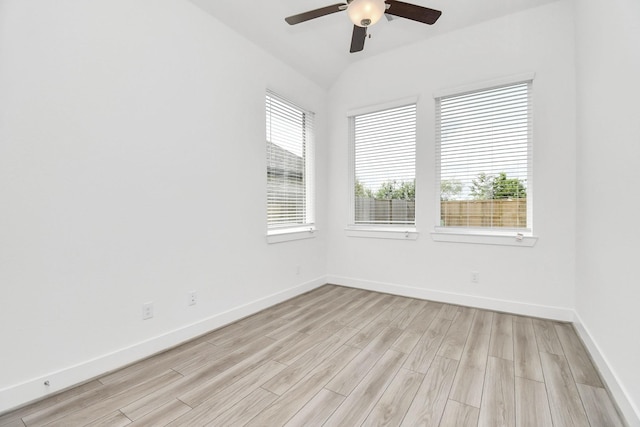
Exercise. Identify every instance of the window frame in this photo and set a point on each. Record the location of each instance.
(306, 230)
(379, 231)
(523, 237)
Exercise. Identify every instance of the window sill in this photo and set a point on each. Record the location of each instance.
(290, 234)
(496, 238)
(383, 233)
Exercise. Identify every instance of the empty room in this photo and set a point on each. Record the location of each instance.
(292, 212)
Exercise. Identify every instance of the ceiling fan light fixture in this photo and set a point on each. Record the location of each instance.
(364, 13)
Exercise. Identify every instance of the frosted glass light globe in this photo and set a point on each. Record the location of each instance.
(364, 13)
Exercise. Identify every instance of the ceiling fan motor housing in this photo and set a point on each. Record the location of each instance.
(364, 13)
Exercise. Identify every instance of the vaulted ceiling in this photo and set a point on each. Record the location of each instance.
(320, 48)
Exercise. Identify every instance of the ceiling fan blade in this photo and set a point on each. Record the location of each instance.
(316, 13)
(358, 38)
(413, 12)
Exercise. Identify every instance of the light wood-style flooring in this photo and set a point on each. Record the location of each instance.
(338, 356)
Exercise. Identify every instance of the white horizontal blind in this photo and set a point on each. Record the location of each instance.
(289, 164)
(384, 145)
(483, 152)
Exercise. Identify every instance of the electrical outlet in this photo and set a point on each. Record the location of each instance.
(297, 270)
(192, 298)
(147, 310)
(475, 277)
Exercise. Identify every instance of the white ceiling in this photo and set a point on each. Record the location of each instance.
(320, 48)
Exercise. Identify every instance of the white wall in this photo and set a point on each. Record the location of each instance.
(538, 280)
(132, 169)
(608, 68)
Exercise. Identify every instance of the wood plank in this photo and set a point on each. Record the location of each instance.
(372, 312)
(579, 361)
(404, 319)
(328, 315)
(315, 298)
(248, 332)
(317, 410)
(202, 387)
(224, 332)
(224, 398)
(14, 418)
(205, 354)
(468, 383)
(312, 297)
(501, 344)
(498, 402)
(293, 307)
(458, 414)
(546, 337)
(225, 361)
(357, 369)
(525, 350)
(425, 350)
(276, 329)
(152, 401)
(394, 310)
(448, 311)
(348, 378)
(532, 404)
(285, 407)
(407, 341)
(359, 309)
(282, 382)
(290, 353)
(286, 327)
(431, 398)
(360, 402)
(599, 407)
(102, 408)
(50, 413)
(141, 371)
(413, 332)
(564, 400)
(265, 316)
(456, 337)
(372, 330)
(246, 409)
(423, 319)
(162, 415)
(395, 401)
(383, 341)
(114, 419)
(12, 422)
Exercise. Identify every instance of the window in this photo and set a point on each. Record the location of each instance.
(290, 189)
(484, 158)
(384, 167)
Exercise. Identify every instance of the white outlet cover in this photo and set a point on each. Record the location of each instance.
(147, 310)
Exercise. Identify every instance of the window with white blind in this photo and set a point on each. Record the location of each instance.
(484, 158)
(290, 189)
(383, 145)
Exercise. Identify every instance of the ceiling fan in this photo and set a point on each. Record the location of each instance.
(364, 13)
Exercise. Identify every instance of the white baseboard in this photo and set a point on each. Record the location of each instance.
(515, 307)
(625, 405)
(21, 394)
